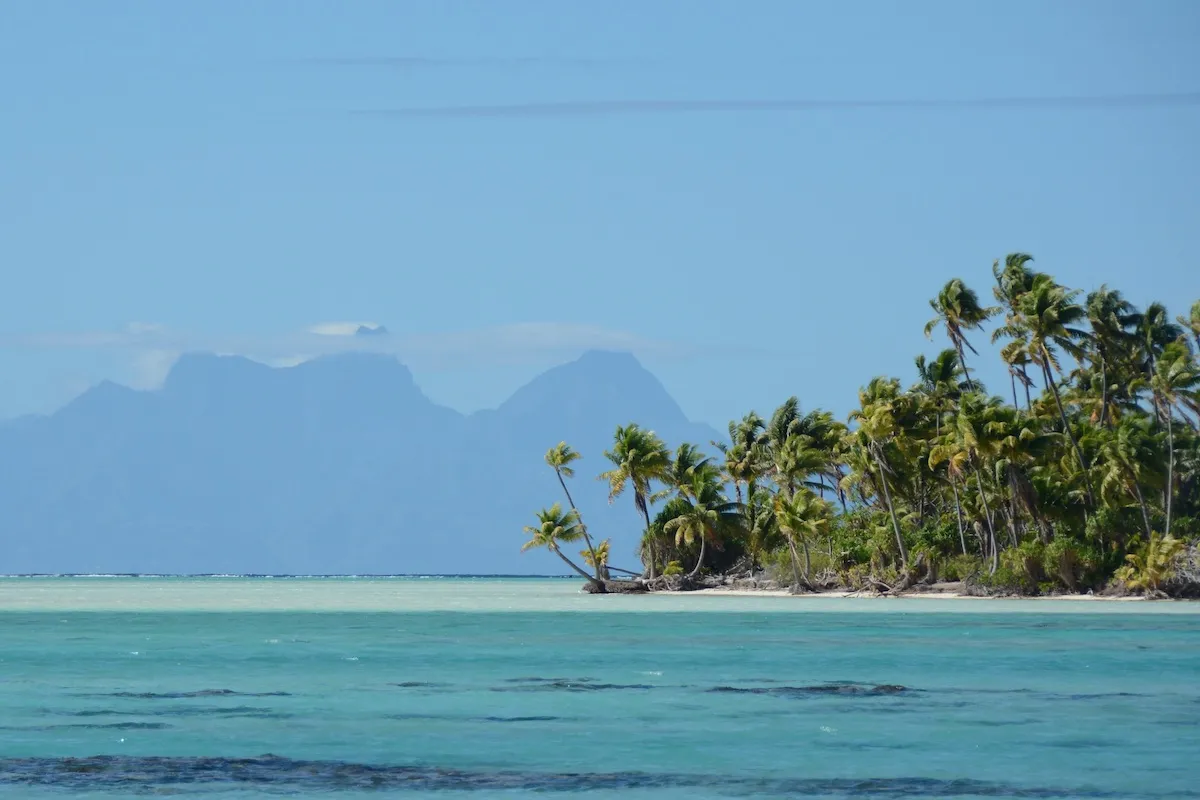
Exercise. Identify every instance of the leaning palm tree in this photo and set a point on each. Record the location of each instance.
(802, 517)
(639, 458)
(559, 458)
(958, 311)
(554, 527)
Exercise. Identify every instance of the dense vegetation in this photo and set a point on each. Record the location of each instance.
(1089, 478)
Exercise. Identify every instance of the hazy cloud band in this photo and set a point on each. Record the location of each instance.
(606, 107)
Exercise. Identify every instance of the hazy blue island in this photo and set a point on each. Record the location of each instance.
(1082, 475)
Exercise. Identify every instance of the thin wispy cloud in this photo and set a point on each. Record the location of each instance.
(434, 62)
(618, 107)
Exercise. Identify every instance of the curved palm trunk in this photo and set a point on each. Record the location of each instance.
(573, 566)
(1087, 481)
(807, 562)
(795, 560)
(695, 573)
(579, 516)
(887, 496)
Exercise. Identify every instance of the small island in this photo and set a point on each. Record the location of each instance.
(1087, 482)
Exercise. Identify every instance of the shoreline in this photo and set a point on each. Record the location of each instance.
(719, 591)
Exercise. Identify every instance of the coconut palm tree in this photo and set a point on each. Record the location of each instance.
(1112, 319)
(639, 459)
(1126, 453)
(559, 458)
(1176, 379)
(803, 517)
(597, 558)
(554, 528)
(705, 513)
(876, 418)
(1048, 316)
(958, 310)
(1192, 323)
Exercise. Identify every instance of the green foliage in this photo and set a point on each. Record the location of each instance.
(673, 568)
(1058, 490)
(1152, 564)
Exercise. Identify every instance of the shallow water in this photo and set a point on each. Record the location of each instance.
(412, 688)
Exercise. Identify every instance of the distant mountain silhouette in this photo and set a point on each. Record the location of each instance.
(338, 465)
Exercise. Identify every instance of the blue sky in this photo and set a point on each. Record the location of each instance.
(228, 174)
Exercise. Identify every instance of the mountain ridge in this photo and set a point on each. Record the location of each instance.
(340, 464)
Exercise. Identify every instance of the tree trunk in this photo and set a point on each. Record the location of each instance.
(1170, 468)
(700, 561)
(594, 581)
(1087, 481)
(1137, 491)
(582, 527)
(887, 497)
(1103, 391)
(807, 561)
(1012, 377)
(987, 515)
(795, 561)
(962, 359)
(1025, 383)
(962, 540)
(641, 502)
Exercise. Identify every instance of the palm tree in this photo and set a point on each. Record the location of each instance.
(1192, 322)
(1111, 317)
(1176, 377)
(597, 558)
(1012, 282)
(758, 522)
(559, 458)
(876, 418)
(802, 517)
(1047, 316)
(639, 458)
(1126, 451)
(744, 455)
(554, 527)
(958, 310)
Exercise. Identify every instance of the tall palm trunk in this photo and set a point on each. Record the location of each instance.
(795, 561)
(699, 561)
(587, 538)
(1087, 481)
(1137, 492)
(640, 500)
(887, 497)
(962, 359)
(1103, 390)
(1170, 468)
(962, 540)
(1012, 377)
(987, 515)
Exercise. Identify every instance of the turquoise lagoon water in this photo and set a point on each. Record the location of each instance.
(247, 688)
